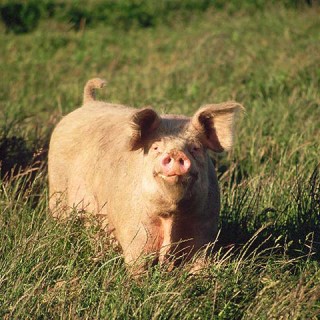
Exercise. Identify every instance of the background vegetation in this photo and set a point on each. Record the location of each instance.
(176, 56)
(24, 16)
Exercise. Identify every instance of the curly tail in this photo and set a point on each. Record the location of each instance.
(89, 92)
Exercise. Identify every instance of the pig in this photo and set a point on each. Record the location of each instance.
(147, 177)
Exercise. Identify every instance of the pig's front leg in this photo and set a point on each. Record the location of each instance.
(143, 246)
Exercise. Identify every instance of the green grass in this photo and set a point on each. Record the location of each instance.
(270, 219)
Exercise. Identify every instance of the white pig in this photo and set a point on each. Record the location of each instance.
(148, 175)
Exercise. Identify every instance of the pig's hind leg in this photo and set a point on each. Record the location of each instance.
(80, 199)
(58, 184)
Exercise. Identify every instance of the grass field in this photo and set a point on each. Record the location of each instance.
(269, 263)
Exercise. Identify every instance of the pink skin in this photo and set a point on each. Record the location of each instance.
(171, 164)
(175, 163)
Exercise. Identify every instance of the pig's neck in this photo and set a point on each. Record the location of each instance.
(166, 207)
(174, 238)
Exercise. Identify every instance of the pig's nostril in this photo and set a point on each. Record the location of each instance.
(185, 165)
(166, 160)
(175, 164)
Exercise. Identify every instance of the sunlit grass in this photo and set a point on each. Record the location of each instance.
(268, 266)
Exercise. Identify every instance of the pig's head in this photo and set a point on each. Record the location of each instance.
(176, 163)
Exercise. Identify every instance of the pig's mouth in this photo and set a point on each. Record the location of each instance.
(172, 179)
(186, 180)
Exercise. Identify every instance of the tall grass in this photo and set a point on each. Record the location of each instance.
(266, 262)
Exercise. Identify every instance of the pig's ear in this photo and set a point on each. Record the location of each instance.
(214, 124)
(143, 123)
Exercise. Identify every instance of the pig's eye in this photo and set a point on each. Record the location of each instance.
(156, 149)
(195, 150)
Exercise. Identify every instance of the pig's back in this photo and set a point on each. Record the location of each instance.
(85, 152)
(89, 128)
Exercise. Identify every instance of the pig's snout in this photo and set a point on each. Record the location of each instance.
(175, 163)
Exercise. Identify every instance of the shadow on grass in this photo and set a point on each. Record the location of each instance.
(20, 163)
(295, 226)
(17, 155)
